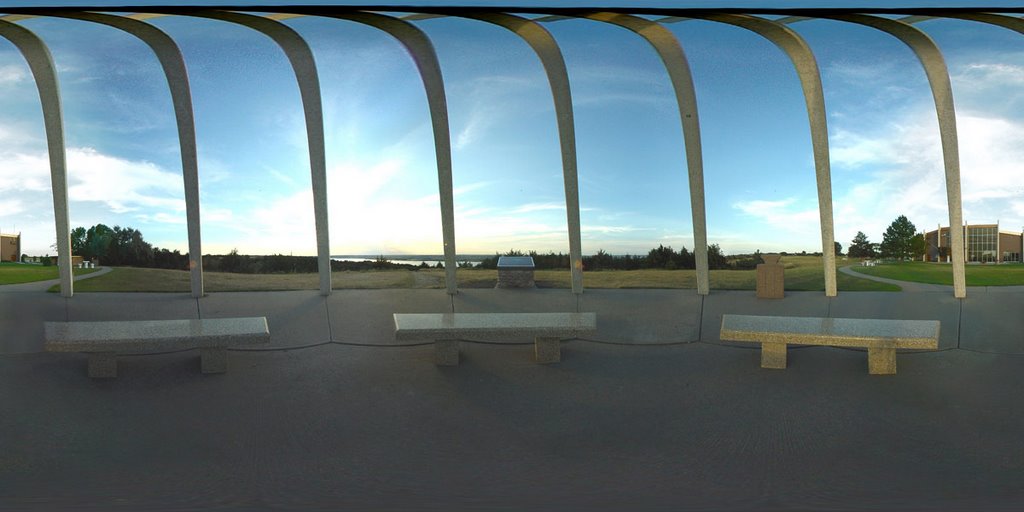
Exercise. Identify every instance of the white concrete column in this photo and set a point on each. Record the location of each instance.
(554, 66)
(678, 68)
(942, 92)
(810, 80)
(304, 65)
(173, 64)
(44, 73)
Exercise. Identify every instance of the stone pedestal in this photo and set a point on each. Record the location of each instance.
(547, 350)
(446, 352)
(771, 278)
(515, 272)
(214, 360)
(102, 365)
(773, 355)
(881, 360)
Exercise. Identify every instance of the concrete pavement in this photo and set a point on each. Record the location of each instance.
(653, 413)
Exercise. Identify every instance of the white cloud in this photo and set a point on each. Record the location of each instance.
(122, 185)
(607, 230)
(898, 169)
(785, 214)
(538, 207)
(368, 213)
(11, 207)
(13, 74)
(162, 218)
(24, 172)
(986, 75)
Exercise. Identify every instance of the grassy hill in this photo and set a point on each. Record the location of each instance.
(802, 273)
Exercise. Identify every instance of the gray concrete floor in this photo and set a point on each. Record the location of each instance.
(619, 424)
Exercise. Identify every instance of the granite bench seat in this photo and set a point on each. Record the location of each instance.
(103, 340)
(446, 328)
(880, 337)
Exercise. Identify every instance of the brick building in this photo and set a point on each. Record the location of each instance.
(10, 247)
(983, 243)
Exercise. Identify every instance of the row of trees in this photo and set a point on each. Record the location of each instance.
(124, 247)
(661, 257)
(900, 241)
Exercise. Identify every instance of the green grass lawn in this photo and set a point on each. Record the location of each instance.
(942, 273)
(803, 273)
(14, 273)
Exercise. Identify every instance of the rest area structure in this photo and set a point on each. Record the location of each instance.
(774, 25)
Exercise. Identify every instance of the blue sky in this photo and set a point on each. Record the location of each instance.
(124, 165)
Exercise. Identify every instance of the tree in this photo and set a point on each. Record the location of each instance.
(117, 246)
(918, 246)
(660, 257)
(716, 260)
(838, 249)
(78, 241)
(897, 239)
(97, 242)
(860, 247)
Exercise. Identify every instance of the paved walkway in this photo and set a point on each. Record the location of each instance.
(907, 286)
(42, 286)
(611, 428)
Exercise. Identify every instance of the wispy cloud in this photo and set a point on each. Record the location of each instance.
(492, 99)
(12, 74)
(786, 214)
(608, 230)
(538, 207)
(986, 75)
(604, 84)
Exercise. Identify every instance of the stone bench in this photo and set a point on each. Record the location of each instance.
(104, 340)
(880, 337)
(447, 328)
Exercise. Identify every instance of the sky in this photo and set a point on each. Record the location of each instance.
(125, 167)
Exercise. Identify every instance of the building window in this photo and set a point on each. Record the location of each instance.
(982, 243)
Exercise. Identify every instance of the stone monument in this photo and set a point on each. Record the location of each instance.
(771, 278)
(515, 272)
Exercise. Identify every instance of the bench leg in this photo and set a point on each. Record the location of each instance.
(773, 355)
(446, 352)
(102, 365)
(881, 361)
(214, 360)
(547, 350)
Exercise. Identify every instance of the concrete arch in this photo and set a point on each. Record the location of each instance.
(423, 55)
(301, 59)
(678, 68)
(44, 73)
(558, 78)
(934, 64)
(810, 81)
(173, 64)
